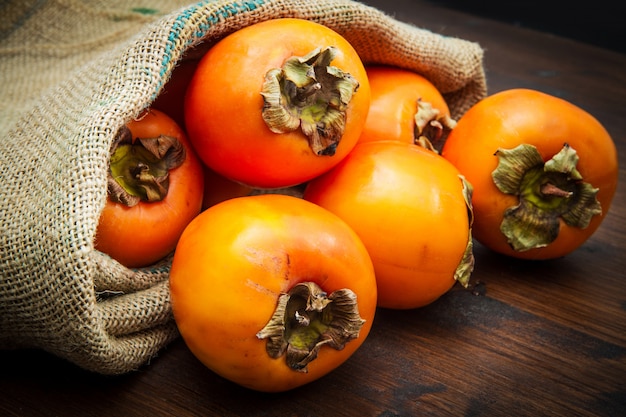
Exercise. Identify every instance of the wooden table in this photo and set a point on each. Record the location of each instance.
(530, 339)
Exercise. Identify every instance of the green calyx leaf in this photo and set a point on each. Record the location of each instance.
(548, 193)
(305, 319)
(466, 266)
(308, 93)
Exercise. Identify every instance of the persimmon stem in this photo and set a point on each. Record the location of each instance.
(549, 189)
(307, 91)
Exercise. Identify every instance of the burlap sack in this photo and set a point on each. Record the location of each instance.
(71, 73)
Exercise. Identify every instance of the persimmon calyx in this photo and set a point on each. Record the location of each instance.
(139, 170)
(465, 268)
(431, 127)
(308, 93)
(547, 193)
(307, 318)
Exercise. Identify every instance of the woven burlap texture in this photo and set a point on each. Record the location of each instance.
(71, 73)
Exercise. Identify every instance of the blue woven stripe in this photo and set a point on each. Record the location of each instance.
(220, 14)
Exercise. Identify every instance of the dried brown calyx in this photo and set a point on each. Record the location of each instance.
(305, 319)
(139, 170)
(465, 268)
(431, 126)
(308, 93)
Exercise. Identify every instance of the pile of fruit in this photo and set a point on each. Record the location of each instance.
(273, 290)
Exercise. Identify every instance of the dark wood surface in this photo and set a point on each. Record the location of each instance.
(529, 339)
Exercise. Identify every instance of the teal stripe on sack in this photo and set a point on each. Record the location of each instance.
(220, 14)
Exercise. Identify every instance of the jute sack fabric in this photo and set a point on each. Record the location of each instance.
(71, 74)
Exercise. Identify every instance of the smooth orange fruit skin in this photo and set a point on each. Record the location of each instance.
(406, 203)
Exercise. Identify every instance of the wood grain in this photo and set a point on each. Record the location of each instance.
(529, 339)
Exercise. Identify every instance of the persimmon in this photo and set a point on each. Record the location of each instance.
(277, 103)
(405, 106)
(218, 188)
(271, 291)
(155, 188)
(544, 172)
(412, 210)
